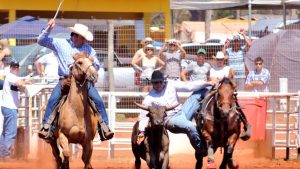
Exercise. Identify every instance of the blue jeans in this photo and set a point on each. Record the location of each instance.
(1, 84)
(182, 121)
(9, 130)
(92, 92)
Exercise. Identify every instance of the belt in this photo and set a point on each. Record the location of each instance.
(63, 77)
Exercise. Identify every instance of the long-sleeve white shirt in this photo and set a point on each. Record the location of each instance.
(168, 97)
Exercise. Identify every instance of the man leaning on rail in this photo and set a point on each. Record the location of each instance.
(64, 49)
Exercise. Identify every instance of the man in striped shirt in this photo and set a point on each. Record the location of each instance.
(259, 78)
(235, 56)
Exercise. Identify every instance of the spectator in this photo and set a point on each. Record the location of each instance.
(64, 50)
(178, 120)
(197, 70)
(10, 98)
(49, 61)
(141, 52)
(4, 53)
(235, 56)
(149, 63)
(220, 70)
(259, 78)
(172, 56)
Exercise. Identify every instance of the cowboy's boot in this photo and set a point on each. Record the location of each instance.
(47, 130)
(44, 133)
(247, 132)
(104, 132)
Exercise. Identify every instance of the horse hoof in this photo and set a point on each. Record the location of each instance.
(211, 165)
(233, 164)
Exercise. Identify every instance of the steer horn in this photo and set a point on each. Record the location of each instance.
(172, 107)
(142, 106)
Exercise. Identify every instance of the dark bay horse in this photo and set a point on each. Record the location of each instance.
(219, 124)
(76, 123)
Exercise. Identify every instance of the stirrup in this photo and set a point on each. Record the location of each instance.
(104, 132)
(43, 133)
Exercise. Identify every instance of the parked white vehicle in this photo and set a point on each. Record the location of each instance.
(123, 73)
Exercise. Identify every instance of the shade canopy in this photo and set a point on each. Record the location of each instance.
(222, 4)
(27, 27)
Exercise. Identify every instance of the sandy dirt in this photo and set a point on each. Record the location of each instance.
(248, 154)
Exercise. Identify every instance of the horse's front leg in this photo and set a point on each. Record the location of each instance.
(228, 152)
(210, 156)
(56, 153)
(164, 159)
(210, 150)
(87, 151)
(64, 143)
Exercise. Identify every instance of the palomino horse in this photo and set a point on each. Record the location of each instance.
(77, 122)
(219, 123)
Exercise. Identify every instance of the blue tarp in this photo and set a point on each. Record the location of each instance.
(27, 27)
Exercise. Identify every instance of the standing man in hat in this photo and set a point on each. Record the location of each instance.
(236, 58)
(197, 70)
(172, 53)
(10, 103)
(178, 120)
(64, 49)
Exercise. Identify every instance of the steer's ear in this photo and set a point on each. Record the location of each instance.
(172, 107)
(142, 106)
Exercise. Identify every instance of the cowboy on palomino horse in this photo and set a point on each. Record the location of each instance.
(77, 120)
(64, 49)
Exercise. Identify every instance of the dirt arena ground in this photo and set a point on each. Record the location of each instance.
(246, 154)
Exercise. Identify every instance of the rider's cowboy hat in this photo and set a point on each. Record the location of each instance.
(82, 30)
(157, 76)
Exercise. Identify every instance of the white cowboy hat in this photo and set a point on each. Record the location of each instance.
(220, 55)
(82, 30)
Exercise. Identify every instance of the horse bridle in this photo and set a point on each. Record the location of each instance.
(85, 72)
(232, 105)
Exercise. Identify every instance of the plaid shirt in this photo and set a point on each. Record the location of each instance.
(263, 76)
(64, 49)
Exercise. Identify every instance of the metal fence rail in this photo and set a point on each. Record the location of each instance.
(123, 114)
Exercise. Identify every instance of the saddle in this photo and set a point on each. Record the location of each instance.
(202, 115)
(53, 118)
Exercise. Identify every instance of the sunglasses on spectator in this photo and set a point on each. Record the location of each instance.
(148, 42)
(149, 49)
(259, 63)
(172, 44)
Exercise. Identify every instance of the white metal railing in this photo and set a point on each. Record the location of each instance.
(32, 118)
